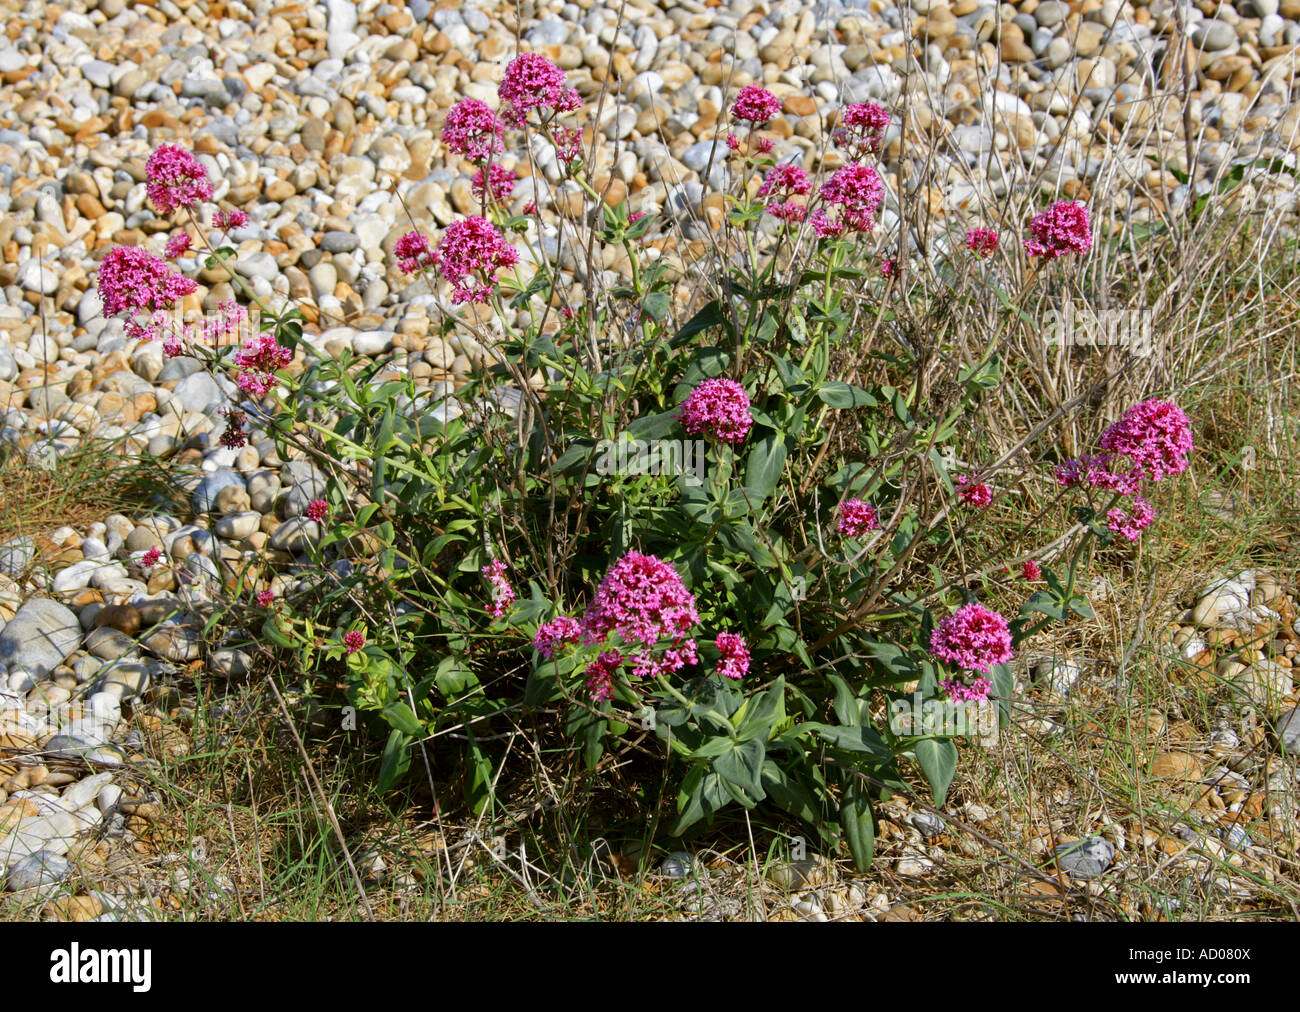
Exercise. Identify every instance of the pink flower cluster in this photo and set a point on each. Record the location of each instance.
(718, 409)
(862, 128)
(1063, 228)
(500, 182)
(151, 557)
(857, 191)
(503, 595)
(133, 280)
(785, 180)
(354, 640)
(982, 242)
(973, 493)
(531, 81)
(1031, 570)
(258, 360)
(733, 661)
(755, 105)
(973, 638)
(473, 130)
(470, 254)
(974, 691)
(318, 510)
(177, 246)
(174, 178)
(856, 517)
(889, 268)
(556, 633)
(643, 601)
(265, 598)
(1131, 522)
(413, 253)
(224, 221)
(1156, 437)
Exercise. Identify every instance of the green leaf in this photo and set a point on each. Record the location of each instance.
(656, 306)
(938, 761)
(846, 703)
(764, 465)
(396, 760)
(711, 315)
(743, 766)
(858, 823)
(653, 426)
(400, 716)
(851, 739)
(478, 777)
(1046, 603)
(842, 395)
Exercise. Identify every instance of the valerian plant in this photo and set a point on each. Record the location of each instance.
(717, 524)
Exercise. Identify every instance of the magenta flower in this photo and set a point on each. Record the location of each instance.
(133, 280)
(1155, 435)
(473, 130)
(556, 633)
(224, 221)
(265, 597)
(172, 346)
(973, 493)
(503, 595)
(785, 181)
(1063, 228)
(1031, 570)
(862, 128)
(734, 659)
(177, 246)
(825, 227)
(973, 638)
(733, 142)
(763, 145)
(532, 81)
(1131, 522)
(174, 178)
(756, 105)
(643, 600)
(600, 675)
(788, 211)
(1094, 470)
(318, 510)
(889, 268)
(354, 640)
(500, 182)
(413, 253)
(982, 242)
(258, 359)
(719, 409)
(856, 517)
(857, 191)
(974, 691)
(469, 255)
(151, 557)
(568, 143)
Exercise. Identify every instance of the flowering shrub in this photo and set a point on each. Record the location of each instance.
(480, 563)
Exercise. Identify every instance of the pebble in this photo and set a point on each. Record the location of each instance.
(1085, 859)
(39, 636)
(35, 871)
